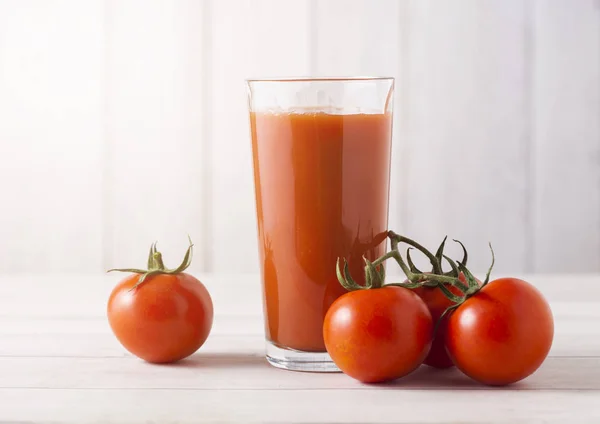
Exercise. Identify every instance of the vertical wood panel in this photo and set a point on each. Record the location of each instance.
(155, 139)
(357, 37)
(566, 108)
(51, 132)
(466, 160)
(163, 149)
(365, 37)
(250, 38)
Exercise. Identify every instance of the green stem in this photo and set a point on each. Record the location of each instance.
(158, 261)
(412, 276)
(372, 276)
(397, 238)
(418, 276)
(156, 265)
(383, 258)
(151, 263)
(375, 278)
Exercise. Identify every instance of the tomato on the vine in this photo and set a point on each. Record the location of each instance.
(160, 315)
(502, 333)
(377, 334)
(496, 332)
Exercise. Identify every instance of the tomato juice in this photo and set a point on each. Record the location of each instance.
(322, 187)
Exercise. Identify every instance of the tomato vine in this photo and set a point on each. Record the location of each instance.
(375, 271)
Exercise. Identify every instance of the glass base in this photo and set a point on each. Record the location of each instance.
(295, 360)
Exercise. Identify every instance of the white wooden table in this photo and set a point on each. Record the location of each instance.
(59, 363)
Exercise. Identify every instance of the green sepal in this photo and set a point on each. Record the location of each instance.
(455, 271)
(487, 275)
(439, 254)
(410, 263)
(344, 277)
(156, 265)
(464, 249)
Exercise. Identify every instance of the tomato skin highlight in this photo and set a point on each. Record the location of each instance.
(502, 334)
(378, 334)
(164, 319)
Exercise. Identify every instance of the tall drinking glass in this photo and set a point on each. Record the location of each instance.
(321, 154)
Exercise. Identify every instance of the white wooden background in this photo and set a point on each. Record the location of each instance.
(122, 122)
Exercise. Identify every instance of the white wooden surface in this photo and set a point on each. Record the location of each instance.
(122, 122)
(59, 363)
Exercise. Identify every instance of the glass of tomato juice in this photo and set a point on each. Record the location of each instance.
(321, 152)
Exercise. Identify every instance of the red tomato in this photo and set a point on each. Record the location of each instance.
(437, 303)
(501, 334)
(378, 334)
(164, 319)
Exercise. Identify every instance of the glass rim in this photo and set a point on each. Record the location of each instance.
(321, 79)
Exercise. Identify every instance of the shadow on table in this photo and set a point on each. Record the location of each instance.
(220, 360)
(557, 373)
(430, 378)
